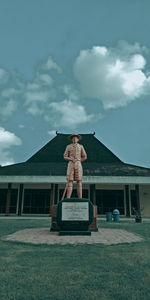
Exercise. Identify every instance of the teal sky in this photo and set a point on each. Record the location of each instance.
(75, 66)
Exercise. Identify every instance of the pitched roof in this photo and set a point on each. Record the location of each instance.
(49, 160)
(53, 150)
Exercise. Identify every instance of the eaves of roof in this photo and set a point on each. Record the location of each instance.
(59, 169)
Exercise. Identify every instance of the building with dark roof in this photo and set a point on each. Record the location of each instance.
(34, 186)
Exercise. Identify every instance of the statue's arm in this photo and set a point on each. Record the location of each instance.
(66, 154)
(83, 154)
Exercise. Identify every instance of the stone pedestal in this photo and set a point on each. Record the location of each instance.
(79, 217)
(54, 226)
(93, 226)
(74, 215)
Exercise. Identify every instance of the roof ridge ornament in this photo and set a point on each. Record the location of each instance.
(57, 133)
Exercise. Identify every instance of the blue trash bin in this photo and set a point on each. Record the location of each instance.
(116, 215)
(108, 216)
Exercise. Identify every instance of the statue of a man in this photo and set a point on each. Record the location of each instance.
(75, 154)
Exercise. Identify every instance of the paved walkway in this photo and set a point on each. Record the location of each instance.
(44, 236)
(122, 219)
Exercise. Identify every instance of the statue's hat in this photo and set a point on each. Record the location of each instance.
(75, 134)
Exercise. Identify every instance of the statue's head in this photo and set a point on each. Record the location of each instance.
(75, 137)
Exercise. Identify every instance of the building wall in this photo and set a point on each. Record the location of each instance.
(9, 200)
(145, 200)
(144, 193)
(4, 202)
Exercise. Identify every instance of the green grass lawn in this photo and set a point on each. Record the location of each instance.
(74, 272)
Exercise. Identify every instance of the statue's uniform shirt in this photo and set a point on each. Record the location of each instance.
(74, 170)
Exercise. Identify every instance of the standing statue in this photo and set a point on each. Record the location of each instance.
(75, 154)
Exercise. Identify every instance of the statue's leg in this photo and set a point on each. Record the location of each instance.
(79, 188)
(69, 188)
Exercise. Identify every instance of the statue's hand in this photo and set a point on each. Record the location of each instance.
(74, 160)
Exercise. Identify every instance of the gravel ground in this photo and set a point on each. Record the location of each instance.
(44, 236)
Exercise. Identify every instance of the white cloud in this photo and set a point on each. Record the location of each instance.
(21, 126)
(35, 101)
(51, 65)
(52, 132)
(11, 90)
(40, 80)
(3, 76)
(34, 96)
(125, 50)
(37, 96)
(7, 140)
(137, 62)
(41, 90)
(70, 114)
(45, 79)
(70, 93)
(115, 76)
(34, 109)
(32, 86)
(8, 108)
(6, 93)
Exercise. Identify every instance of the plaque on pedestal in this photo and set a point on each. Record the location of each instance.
(74, 215)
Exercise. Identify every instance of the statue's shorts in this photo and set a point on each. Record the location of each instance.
(74, 171)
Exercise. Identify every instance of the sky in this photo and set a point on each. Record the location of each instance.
(75, 66)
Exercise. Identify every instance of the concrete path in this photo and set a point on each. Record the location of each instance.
(44, 236)
(122, 219)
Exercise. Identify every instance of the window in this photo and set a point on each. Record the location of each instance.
(108, 200)
(3, 197)
(36, 201)
(13, 200)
